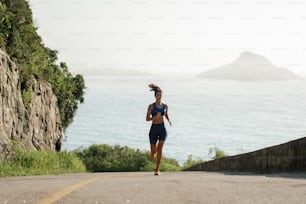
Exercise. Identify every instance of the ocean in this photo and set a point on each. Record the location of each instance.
(234, 116)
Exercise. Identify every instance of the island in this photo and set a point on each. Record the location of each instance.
(250, 67)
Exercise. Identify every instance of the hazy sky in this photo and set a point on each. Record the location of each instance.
(172, 37)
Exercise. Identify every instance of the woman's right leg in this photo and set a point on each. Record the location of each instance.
(153, 136)
(153, 151)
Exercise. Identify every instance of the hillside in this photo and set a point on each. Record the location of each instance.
(39, 96)
(249, 66)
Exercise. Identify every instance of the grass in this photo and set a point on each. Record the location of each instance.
(96, 158)
(26, 163)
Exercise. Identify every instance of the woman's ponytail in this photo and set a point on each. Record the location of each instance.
(155, 88)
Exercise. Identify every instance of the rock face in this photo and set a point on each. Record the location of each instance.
(287, 157)
(37, 126)
(250, 66)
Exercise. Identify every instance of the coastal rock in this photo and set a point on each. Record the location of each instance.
(11, 106)
(37, 126)
(250, 66)
(44, 123)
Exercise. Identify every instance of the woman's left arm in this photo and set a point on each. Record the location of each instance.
(167, 115)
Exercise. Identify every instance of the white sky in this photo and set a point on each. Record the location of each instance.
(172, 37)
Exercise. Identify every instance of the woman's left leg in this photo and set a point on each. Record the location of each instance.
(159, 156)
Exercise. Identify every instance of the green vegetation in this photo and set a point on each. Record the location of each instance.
(105, 158)
(96, 158)
(18, 37)
(24, 163)
(191, 162)
(216, 153)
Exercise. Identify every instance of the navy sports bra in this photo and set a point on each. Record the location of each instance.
(155, 110)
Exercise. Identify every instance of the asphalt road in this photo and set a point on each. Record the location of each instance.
(145, 188)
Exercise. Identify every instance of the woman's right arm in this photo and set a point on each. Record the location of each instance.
(148, 117)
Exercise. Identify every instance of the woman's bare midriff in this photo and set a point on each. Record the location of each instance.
(158, 119)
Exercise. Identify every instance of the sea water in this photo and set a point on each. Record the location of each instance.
(234, 116)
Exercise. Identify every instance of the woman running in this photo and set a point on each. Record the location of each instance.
(158, 132)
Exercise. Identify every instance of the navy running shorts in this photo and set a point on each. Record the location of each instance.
(157, 132)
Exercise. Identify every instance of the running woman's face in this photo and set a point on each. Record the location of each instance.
(158, 95)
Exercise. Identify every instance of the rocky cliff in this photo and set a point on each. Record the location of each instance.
(37, 126)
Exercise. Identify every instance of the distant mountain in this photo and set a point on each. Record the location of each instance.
(115, 72)
(250, 66)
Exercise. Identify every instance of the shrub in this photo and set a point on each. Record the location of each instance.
(106, 158)
(26, 96)
(216, 153)
(191, 162)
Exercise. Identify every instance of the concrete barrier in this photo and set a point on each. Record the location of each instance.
(287, 157)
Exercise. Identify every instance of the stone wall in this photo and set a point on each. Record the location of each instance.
(287, 157)
(37, 126)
